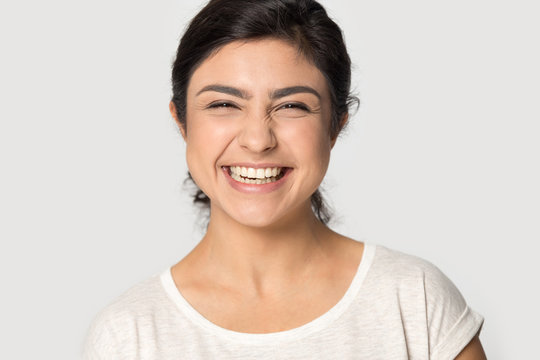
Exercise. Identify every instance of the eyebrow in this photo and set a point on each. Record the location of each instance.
(276, 94)
(226, 90)
(279, 93)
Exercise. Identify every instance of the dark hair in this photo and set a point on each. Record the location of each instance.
(303, 23)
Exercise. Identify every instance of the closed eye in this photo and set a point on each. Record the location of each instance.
(222, 105)
(294, 106)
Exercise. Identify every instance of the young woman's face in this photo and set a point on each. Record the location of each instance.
(257, 136)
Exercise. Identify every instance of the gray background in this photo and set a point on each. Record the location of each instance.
(441, 161)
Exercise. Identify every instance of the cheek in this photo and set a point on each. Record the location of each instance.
(203, 138)
(312, 141)
(198, 152)
(206, 139)
(194, 162)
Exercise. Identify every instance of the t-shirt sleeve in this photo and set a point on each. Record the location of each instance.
(452, 324)
(99, 343)
(112, 334)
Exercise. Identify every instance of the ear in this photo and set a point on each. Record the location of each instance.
(342, 124)
(172, 109)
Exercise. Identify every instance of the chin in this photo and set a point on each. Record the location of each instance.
(260, 216)
(257, 219)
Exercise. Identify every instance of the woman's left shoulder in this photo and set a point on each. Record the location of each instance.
(411, 277)
(402, 267)
(419, 285)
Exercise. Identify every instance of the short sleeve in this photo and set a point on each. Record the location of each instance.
(99, 343)
(451, 323)
(118, 329)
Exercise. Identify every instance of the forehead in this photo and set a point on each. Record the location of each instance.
(257, 65)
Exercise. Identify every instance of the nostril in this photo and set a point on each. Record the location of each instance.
(257, 141)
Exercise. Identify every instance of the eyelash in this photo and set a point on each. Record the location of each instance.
(294, 106)
(221, 104)
(225, 105)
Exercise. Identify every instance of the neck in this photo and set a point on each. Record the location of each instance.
(263, 260)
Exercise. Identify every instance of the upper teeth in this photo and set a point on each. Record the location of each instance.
(253, 173)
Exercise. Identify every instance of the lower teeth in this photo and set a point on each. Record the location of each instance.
(253, 181)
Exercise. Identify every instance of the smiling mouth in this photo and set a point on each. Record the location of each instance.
(257, 176)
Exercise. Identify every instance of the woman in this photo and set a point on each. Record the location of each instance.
(260, 94)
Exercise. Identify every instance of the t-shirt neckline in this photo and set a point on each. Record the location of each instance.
(316, 324)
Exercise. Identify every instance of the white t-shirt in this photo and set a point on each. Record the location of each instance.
(396, 307)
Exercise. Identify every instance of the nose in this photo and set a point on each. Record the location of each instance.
(256, 135)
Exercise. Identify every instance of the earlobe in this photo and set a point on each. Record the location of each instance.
(174, 114)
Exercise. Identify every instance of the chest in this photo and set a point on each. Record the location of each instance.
(356, 334)
(257, 316)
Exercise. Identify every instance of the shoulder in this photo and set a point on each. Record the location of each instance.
(400, 268)
(397, 260)
(123, 318)
(140, 299)
(420, 286)
(412, 276)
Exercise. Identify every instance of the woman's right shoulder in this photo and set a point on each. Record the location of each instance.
(121, 319)
(138, 299)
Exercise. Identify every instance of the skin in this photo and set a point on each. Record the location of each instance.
(256, 130)
(264, 253)
(473, 351)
